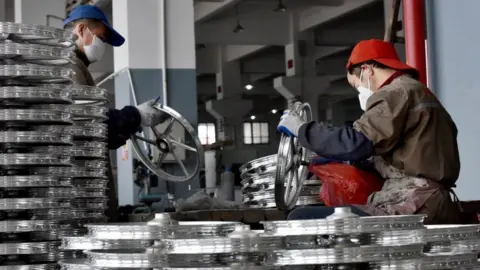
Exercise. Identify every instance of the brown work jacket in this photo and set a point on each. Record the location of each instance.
(83, 76)
(415, 151)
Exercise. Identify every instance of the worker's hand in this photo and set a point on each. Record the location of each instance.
(149, 115)
(290, 123)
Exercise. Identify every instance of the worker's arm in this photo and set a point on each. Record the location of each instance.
(121, 125)
(376, 132)
(339, 143)
(126, 122)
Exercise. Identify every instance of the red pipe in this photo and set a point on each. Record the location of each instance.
(414, 27)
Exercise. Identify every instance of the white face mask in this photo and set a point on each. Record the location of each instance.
(94, 51)
(364, 93)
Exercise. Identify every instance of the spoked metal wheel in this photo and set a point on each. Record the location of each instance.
(156, 148)
(292, 165)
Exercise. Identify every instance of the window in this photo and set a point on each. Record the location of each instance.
(206, 133)
(255, 133)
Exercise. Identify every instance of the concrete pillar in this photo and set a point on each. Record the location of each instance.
(453, 75)
(35, 12)
(143, 27)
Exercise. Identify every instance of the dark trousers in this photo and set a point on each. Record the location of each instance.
(319, 212)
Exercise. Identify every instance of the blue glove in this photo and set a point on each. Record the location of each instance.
(290, 123)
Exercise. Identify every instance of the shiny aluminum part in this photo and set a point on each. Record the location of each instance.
(38, 34)
(36, 73)
(270, 203)
(91, 150)
(16, 226)
(78, 264)
(80, 172)
(91, 203)
(458, 246)
(33, 203)
(413, 264)
(84, 130)
(89, 95)
(33, 159)
(51, 266)
(217, 245)
(33, 181)
(35, 116)
(257, 166)
(125, 231)
(35, 137)
(166, 145)
(200, 229)
(86, 243)
(55, 256)
(28, 248)
(266, 181)
(89, 112)
(394, 237)
(35, 54)
(90, 183)
(51, 192)
(449, 260)
(90, 163)
(90, 192)
(354, 225)
(51, 94)
(240, 267)
(130, 259)
(439, 233)
(343, 255)
(55, 235)
(66, 214)
(291, 164)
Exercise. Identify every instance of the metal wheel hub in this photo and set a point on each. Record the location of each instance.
(292, 163)
(167, 145)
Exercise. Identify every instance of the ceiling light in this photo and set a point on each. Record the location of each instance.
(274, 111)
(238, 29)
(280, 7)
(249, 87)
(252, 117)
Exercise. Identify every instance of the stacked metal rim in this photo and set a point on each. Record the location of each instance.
(177, 245)
(346, 241)
(258, 184)
(90, 150)
(35, 100)
(452, 247)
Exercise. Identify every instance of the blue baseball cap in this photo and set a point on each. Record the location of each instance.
(93, 12)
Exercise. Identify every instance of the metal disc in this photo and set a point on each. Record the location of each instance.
(36, 73)
(18, 181)
(89, 95)
(33, 159)
(87, 243)
(38, 34)
(33, 203)
(89, 113)
(85, 130)
(130, 258)
(35, 54)
(292, 164)
(51, 94)
(35, 116)
(35, 138)
(165, 144)
(125, 231)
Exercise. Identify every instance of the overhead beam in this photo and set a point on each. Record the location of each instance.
(316, 16)
(206, 10)
(236, 52)
(325, 51)
(268, 32)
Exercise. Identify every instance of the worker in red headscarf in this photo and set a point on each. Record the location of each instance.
(407, 131)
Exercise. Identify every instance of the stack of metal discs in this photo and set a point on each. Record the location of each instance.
(35, 99)
(452, 247)
(345, 241)
(90, 150)
(258, 184)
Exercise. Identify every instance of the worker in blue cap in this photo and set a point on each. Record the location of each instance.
(94, 31)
